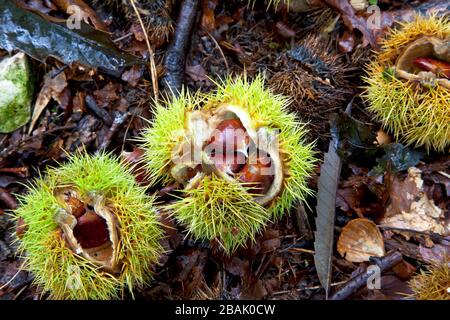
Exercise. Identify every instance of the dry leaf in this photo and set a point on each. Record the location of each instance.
(86, 13)
(360, 239)
(197, 73)
(52, 88)
(411, 208)
(330, 173)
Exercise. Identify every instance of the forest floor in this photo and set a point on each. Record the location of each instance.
(230, 38)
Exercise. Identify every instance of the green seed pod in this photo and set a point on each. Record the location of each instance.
(238, 156)
(16, 92)
(408, 83)
(91, 232)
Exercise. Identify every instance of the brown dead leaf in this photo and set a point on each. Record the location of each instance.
(346, 42)
(437, 255)
(85, 12)
(238, 267)
(137, 31)
(133, 75)
(353, 21)
(8, 199)
(254, 292)
(197, 73)
(270, 241)
(360, 239)
(411, 209)
(52, 89)
(107, 94)
(392, 288)
(363, 195)
(404, 270)
(208, 17)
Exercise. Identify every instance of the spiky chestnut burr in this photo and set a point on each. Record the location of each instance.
(433, 284)
(314, 77)
(408, 89)
(232, 185)
(92, 233)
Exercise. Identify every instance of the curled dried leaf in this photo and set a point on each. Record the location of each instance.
(360, 239)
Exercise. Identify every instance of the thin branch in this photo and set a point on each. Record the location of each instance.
(176, 55)
(357, 282)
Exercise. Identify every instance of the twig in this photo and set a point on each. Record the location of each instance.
(354, 284)
(303, 225)
(102, 114)
(307, 288)
(153, 71)
(220, 51)
(433, 236)
(8, 199)
(300, 250)
(129, 34)
(176, 54)
(119, 120)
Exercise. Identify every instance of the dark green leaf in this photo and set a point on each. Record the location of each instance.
(356, 138)
(396, 158)
(39, 38)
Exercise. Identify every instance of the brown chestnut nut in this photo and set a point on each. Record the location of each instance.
(257, 174)
(91, 230)
(229, 136)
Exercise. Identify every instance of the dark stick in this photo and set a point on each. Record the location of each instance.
(102, 114)
(176, 54)
(119, 120)
(354, 284)
(8, 199)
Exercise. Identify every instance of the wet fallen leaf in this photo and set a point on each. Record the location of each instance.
(39, 38)
(328, 182)
(208, 17)
(353, 21)
(396, 158)
(108, 94)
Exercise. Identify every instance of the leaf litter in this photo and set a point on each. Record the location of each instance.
(75, 108)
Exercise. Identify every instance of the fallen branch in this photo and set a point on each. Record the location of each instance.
(119, 120)
(357, 282)
(100, 113)
(176, 54)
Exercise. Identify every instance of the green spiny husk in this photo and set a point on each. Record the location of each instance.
(47, 255)
(432, 284)
(218, 209)
(416, 114)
